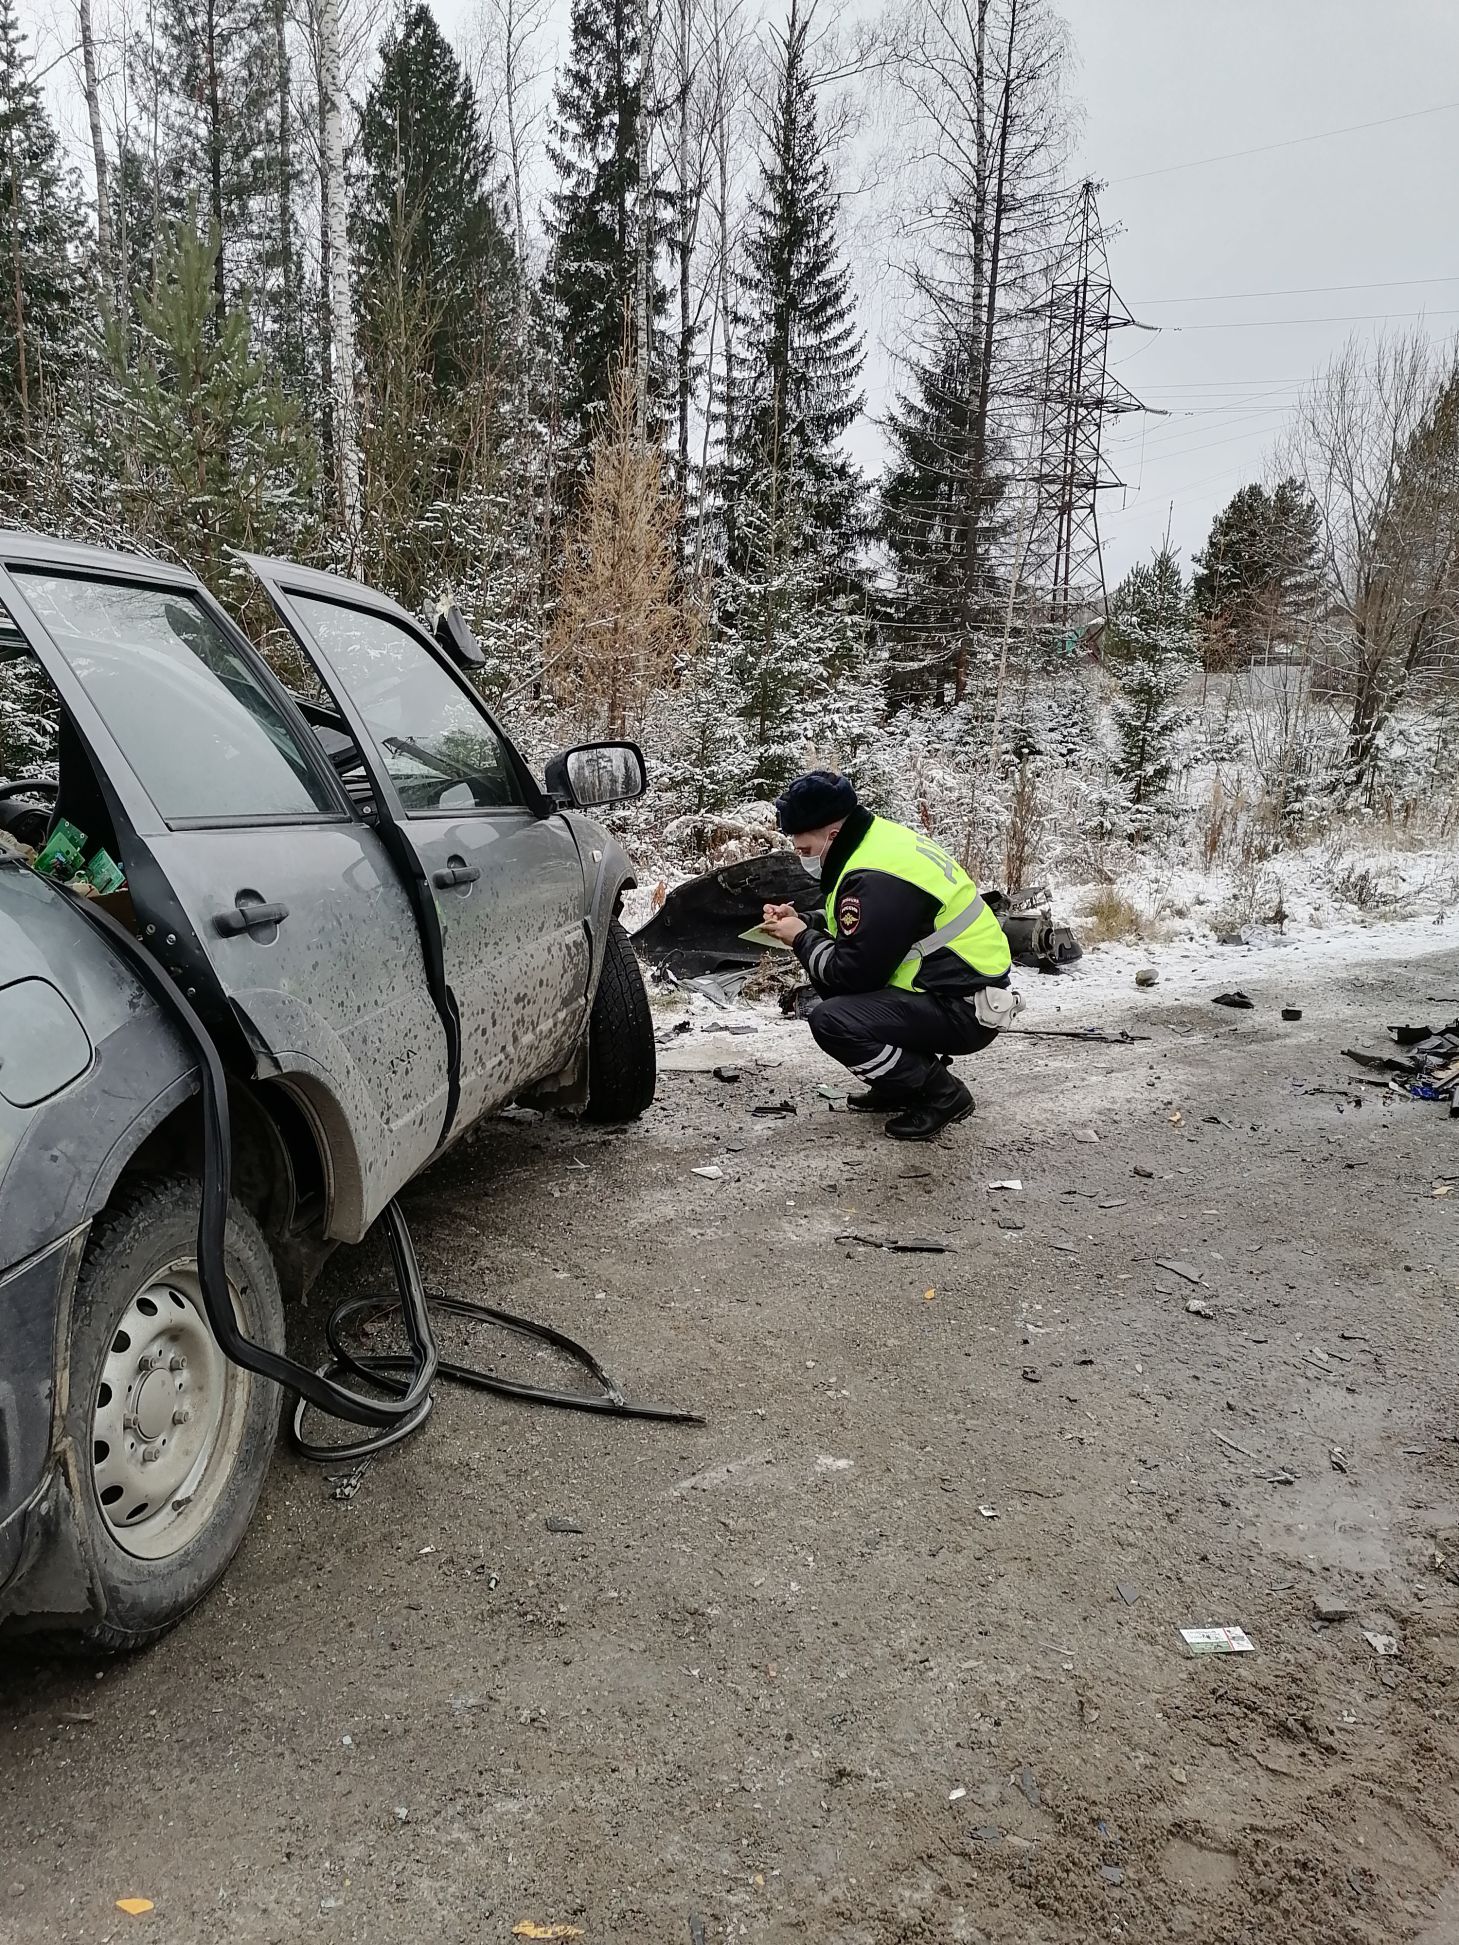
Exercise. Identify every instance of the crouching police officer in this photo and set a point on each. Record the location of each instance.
(912, 967)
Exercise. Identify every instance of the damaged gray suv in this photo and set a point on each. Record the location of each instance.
(389, 930)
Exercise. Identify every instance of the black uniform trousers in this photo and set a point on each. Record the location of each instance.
(892, 1039)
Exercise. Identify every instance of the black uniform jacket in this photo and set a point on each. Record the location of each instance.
(879, 919)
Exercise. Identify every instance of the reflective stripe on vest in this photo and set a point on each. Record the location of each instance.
(965, 925)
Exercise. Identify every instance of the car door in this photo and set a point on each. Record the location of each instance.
(502, 863)
(252, 876)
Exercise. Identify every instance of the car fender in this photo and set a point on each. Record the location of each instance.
(61, 1154)
(608, 872)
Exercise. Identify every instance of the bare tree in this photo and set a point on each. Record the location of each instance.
(105, 252)
(1377, 440)
(978, 86)
(341, 298)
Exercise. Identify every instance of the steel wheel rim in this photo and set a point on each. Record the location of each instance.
(167, 1417)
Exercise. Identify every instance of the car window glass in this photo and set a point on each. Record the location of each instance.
(439, 749)
(205, 737)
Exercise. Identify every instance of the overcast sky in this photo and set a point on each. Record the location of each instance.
(1169, 82)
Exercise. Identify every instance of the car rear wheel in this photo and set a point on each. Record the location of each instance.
(174, 1441)
(622, 1068)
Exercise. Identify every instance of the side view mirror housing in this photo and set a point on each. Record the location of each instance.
(457, 639)
(597, 774)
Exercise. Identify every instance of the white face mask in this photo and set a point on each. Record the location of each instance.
(811, 865)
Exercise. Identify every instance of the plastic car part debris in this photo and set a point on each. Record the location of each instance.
(1381, 1644)
(1127, 1592)
(711, 1171)
(768, 1110)
(908, 1246)
(529, 1928)
(1291, 1012)
(135, 1907)
(1238, 999)
(990, 1512)
(1013, 1183)
(556, 1524)
(1096, 1034)
(1404, 1036)
(1217, 1641)
(727, 1073)
(1176, 1268)
(1197, 1307)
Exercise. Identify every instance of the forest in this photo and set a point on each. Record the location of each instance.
(571, 335)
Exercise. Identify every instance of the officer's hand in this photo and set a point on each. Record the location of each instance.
(787, 926)
(773, 912)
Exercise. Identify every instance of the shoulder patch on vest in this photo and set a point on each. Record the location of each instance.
(848, 915)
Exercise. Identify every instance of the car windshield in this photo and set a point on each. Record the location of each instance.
(204, 735)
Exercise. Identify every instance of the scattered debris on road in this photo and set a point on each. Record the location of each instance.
(1217, 1641)
(1147, 976)
(1176, 1268)
(1430, 1071)
(1239, 1000)
(1198, 1307)
(1381, 1644)
(1331, 1607)
(900, 1246)
(1291, 1012)
(556, 1524)
(712, 1172)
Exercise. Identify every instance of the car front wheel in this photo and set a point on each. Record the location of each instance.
(622, 1068)
(174, 1440)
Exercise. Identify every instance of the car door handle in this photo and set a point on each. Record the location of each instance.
(455, 874)
(250, 918)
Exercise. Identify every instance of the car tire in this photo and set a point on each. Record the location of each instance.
(161, 1529)
(622, 1068)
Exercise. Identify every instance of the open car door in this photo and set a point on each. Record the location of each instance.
(502, 865)
(252, 876)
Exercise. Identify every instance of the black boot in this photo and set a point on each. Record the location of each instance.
(945, 1100)
(875, 1100)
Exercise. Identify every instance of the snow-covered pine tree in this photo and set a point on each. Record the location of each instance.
(436, 289)
(204, 451)
(605, 220)
(799, 354)
(794, 658)
(42, 232)
(430, 208)
(1258, 578)
(212, 68)
(1151, 647)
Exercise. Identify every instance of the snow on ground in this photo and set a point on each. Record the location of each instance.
(1284, 967)
(1195, 968)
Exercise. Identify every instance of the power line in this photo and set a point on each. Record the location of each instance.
(1295, 141)
(1296, 290)
(1356, 317)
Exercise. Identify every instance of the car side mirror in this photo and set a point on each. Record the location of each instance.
(597, 774)
(456, 638)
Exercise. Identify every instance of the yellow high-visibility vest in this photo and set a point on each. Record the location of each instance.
(964, 926)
